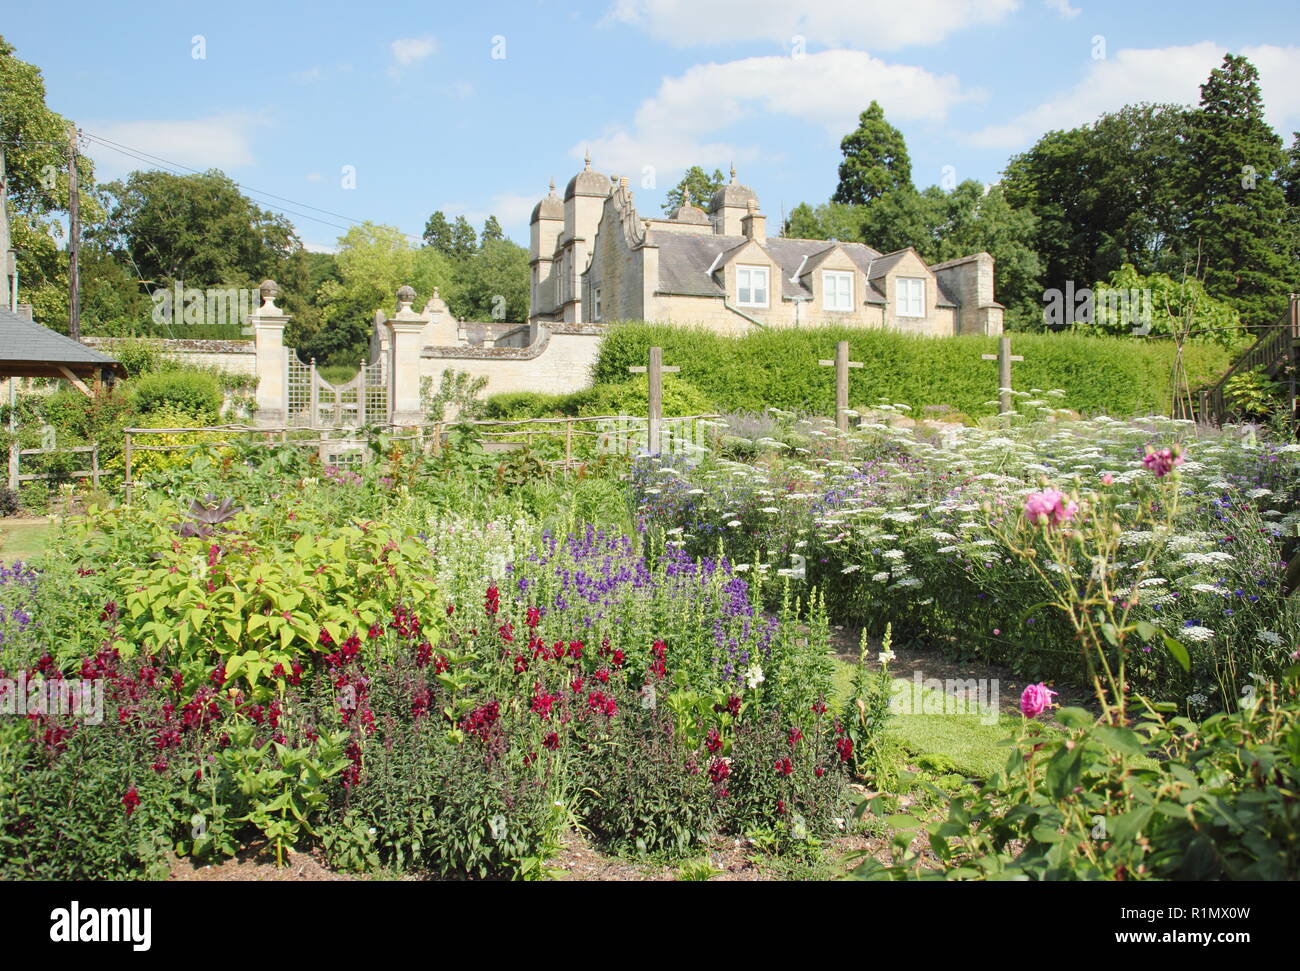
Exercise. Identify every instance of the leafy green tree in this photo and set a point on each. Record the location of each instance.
(830, 220)
(1172, 302)
(197, 229)
(1105, 194)
(437, 233)
(875, 159)
(36, 144)
(492, 284)
(372, 262)
(491, 231)
(698, 185)
(464, 241)
(1239, 218)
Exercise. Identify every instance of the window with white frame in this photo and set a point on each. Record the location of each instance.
(910, 297)
(751, 286)
(837, 290)
(595, 303)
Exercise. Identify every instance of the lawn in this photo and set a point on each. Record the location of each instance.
(23, 540)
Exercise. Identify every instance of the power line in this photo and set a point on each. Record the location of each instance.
(176, 169)
(148, 158)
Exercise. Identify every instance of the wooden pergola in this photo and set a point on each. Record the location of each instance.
(28, 350)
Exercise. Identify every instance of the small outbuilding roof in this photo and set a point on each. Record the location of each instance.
(28, 350)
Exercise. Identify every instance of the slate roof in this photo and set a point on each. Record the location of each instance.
(27, 342)
(685, 258)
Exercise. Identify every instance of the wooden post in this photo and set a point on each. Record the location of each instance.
(841, 365)
(568, 444)
(126, 463)
(94, 465)
(314, 397)
(74, 243)
(654, 371)
(1004, 357)
(13, 425)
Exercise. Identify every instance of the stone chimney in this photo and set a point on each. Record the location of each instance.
(754, 224)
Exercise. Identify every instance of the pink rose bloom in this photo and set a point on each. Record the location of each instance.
(1107, 479)
(1052, 504)
(1162, 462)
(1036, 699)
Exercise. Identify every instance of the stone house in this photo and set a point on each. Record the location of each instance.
(595, 259)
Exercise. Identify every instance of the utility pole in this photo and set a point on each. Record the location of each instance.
(74, 242)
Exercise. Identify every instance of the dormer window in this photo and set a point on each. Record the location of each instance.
(837, 290)
(910, 297)
(751, 286)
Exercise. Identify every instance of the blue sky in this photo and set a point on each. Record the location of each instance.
(472, 107)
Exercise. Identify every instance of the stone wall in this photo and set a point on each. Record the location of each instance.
(559, 362)
(234, 357)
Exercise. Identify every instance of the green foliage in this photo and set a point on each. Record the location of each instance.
(192, 392)
(625, 396)
(8, 501)
(867, 712)
(491, 283)
(1253, 394)
(372, 262)
(34, 497)
(1167, 799)
(457, 396)
(779, 368)
(1106, 194)
(875, 159)
(1238, 209)
(197, 229)
(282, 787)
(637, 799)
(695, 184)
(1175, 306)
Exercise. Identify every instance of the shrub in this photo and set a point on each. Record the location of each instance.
(1168, 799)
(1116, 376)
(647, 792)
(34, 497)
(8, 501)
(193, 392)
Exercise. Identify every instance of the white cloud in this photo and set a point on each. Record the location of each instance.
(320, 247)
(308, 76)
(1063, 8)
(1170, 74)
(873, 24)
(676, 127)
(511, 210)
(223, 141)
(408, 50)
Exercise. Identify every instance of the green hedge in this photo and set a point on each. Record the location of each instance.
(626, 397)
(1112, 375)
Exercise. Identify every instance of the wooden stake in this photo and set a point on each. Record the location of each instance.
(654, 371)
(1004, 357)
(841, 365)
